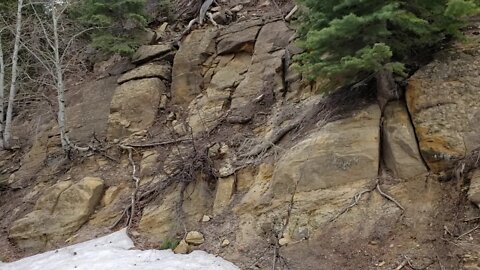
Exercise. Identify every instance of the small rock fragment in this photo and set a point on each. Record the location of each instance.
(265, 3)
(194, 238)
(225, 243)
(182, 248)
(474, 190)
(206, 218)
(283, 241)
(237, 8)
(163, 102)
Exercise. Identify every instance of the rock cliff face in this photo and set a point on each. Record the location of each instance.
(444, 103)
(229, 141)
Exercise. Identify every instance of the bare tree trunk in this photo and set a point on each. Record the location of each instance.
(2, 91)
(60, 85)
(386, 88)
(13, 84)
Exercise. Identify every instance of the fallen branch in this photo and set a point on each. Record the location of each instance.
(136, 181)
(125, 212)
(157, 143)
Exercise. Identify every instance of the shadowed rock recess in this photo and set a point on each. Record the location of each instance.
(345, 187)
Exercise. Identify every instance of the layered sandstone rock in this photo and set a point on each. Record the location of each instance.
(400, 148)
(134, 107)
(443, 100)
(62, 210)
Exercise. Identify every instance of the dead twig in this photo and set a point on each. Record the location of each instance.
(291, 13)
(446, 230)
(403, 264)
(468, 232)
(125, 212)
(275, 255)
(259, 258)
(136, 181)
(471, 219)
(408, 261)
(153, 144)
(440, 263)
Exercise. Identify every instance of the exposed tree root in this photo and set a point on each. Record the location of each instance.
(186, 171)
(278, 134)
(388, 197)
(355, 201)
(358, 196)
(201, 17)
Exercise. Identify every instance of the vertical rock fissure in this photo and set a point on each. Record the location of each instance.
(380, 146)
(416, 136)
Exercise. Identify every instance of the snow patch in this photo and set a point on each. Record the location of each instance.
(114, 252)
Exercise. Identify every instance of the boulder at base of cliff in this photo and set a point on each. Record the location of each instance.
(62, 210)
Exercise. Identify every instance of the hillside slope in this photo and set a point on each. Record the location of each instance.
(222, 135)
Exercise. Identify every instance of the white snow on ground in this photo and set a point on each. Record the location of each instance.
(114, 252)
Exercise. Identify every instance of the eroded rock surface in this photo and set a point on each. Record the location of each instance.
(62, 210)
(340, 153)
(400, 148)
(187, 77)
(313, 190)
(150, 52)
(134, 106)
(443, 100)
(147, 71)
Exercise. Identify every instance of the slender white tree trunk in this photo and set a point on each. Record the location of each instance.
(60, 85)
(13, 84)
(2, 91)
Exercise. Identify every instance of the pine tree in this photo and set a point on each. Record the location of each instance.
(115, 21)
(354, 39)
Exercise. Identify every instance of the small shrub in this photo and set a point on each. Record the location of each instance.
(169, 244)
(115, 23)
